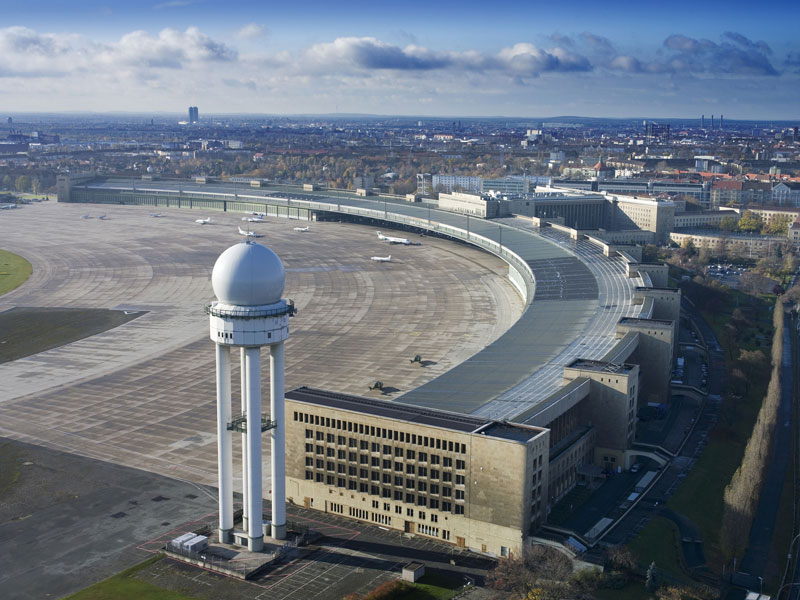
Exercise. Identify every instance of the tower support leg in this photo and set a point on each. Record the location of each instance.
(224, 444)
(245, 497)
(278, 441)
(255, 542)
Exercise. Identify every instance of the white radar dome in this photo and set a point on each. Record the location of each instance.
(248, 274)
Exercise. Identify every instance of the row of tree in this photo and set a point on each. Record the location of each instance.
(742, 493)
(751, 222)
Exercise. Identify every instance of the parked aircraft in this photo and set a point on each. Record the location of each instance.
(393, 240)
(205, 221)
(257, 219)
(250, 233)
(156, 215)
(102, 217)
(381, 258)
(301, 228)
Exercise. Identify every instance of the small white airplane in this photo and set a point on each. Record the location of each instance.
(250, 233)
(156, 215)
(205, 221)
(381, 258)
(301, 228)
(86, 217)
(393, 240)
(259, 215)
(258, 219)
(102, 217)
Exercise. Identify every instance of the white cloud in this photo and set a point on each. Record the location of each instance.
(251, 31)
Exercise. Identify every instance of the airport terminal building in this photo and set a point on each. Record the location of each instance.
(478, 456)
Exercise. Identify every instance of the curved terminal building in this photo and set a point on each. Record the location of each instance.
(478, 455)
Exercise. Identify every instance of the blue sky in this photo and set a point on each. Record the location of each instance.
(599, 58)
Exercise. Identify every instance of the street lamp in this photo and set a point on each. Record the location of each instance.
(788, 563)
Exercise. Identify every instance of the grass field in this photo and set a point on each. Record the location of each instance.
(434, 586)
(14, 271)
(658, 543)
(28, 331)
(125, 586)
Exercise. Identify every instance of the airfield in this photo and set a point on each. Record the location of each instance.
(142, 394)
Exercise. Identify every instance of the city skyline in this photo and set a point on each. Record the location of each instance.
(598, 60)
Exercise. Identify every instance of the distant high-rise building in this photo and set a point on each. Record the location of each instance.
(721, 117)
(712, 121)
(702, 121)
(656, 133)
(193, 114)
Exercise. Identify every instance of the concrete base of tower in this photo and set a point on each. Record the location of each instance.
(279, 532)
(226, 536)
(255, 544)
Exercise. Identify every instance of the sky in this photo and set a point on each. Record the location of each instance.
(529, 58)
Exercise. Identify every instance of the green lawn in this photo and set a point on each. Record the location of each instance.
(124, 586)
(657, 543)
(14, 271)
(434, 586)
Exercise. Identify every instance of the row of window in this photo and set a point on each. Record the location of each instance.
(379, 432)
(384, 464)
(386, 479)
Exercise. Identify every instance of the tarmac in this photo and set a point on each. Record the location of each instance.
(142, 394)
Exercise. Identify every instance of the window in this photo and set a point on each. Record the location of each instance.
(410, 498)
(387, 449)
(375, 476)
(330, 466)
(459, 480)
(422, 472)
(364, 445)
(363, 473)
(459, 494)
(446, 507)
(309, 475)
(447, 476)
(318, 477)
(340, 469)
(309, 461)
(386, 493)
(410, 484)
(309, 447)
(387, 479)
(434, 489)
(433, 503)
(434, 474)
(434, 459)
(340, 440)
(459, 509)
(375, 447)
(320, 463)
(398, 495)
(320, 436)
(320, 449)
(410, 454)
(341, 454)
(329, 479)
(363, 459)
(460, 464)
(375, 504)
(434, 518)
(398, 466)
(446, 491)
(422, 501)
(386, 464)
(331, 438)
(421, 515)
(330, 452)
(410, 469)
(398, 481)
(352, 471)
(398, 509)
(340, 482)
(447, 461)
(421, 486)
(375, 461)
(423, 456)
(352, 442)
(352, 456)
(398, 452)
(309, 434)
(375, 490)
(409, 512)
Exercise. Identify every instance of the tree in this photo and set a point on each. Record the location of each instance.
(779, 225)
(539, 569)
(750, 222)
(23, 183)
(727, 224)
(651, 584)
(7, 182)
